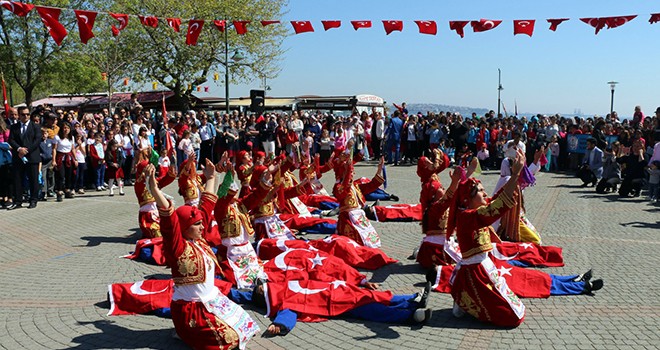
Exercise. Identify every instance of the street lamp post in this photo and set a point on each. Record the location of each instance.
(612, 86)
(236, 57)
(499, 90)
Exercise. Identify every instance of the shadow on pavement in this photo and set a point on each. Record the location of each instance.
(112, 335)
(640, 224)
(93, 241)
(380, 275)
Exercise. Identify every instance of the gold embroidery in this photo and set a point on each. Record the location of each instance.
(224, 334)
(491, 209)
(469, 305)
(186, 262)
(155, 230)
(192, 323)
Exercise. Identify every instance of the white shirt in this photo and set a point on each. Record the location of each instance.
(63, 145)
(380, 128)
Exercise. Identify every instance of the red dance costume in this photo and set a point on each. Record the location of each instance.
(148, 215)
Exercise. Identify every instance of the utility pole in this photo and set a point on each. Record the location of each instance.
(499, 90)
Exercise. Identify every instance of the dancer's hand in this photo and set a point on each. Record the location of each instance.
(273, 329)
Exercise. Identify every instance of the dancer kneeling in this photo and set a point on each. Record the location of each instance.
(488, 288)
(202, 316)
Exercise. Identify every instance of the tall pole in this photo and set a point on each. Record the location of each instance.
(499, 90)
(612, 86)
(226, 70)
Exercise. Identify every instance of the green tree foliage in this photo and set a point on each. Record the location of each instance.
(179, 67)
(30, 58)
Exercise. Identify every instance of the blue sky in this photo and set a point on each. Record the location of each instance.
(551, 72)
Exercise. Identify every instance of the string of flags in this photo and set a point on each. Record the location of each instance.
(86, 19)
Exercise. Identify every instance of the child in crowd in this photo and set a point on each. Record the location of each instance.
(163, 159)
(114, 159)
(554, 153)
(185, 144)
(46, 151)
(654, 181)
(97, 155)
(483, 156)
(80, 153)
(196, 141)
(307, 146)
(447, 148)
(434, 135)
(326, 146)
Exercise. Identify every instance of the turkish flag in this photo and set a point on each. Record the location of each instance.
(331, 24)
(427, 27)
(391, 26)
(306, 264)
(123, 22)
(530, 253)
(523, 26)
(352, 253)
(269, 248)
(241, 27)
(361, 24)
(317, 300)
(220, 24)
(483, 25)
(613, 22)
(302, 26)
(50, 16)
(85, 24)
(596, 22)
(655, 17)
(555, 22)
(149, 21)
(194, 29)
(458, 26)
(174, 23)
(140, 297)
(267, 23)
(20, 9)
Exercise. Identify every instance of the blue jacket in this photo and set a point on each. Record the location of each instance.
(5, 154)
(394, 129)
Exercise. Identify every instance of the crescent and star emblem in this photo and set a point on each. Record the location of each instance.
(295, 287)
(136, 288)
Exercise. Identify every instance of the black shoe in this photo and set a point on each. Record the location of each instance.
(592, 286)
(14, 206)
(432, 274)
(32, 205)
(585, 277)
(394, 197)
(333, 212)
(584, 185)
(59, 197)
(51, 194)
(369, 212)
(413, 256)
(424, 300)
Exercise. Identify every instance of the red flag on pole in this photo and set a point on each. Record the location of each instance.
(483, 25)
(4, 97)
(168, 139)
(51, 18)
(194, 29)
(149, 21)
(302, 26)
(123, 22)
(459, 27)
(241, 27)
(174, 23)
(20, 9)
(391, 26)
(523, 26)
(85, 24)
(427, 27)
(361, 24)
(331, 24)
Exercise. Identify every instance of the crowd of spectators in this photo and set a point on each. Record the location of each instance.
(79, 152)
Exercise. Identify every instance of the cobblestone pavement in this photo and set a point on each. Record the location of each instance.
(57, 261)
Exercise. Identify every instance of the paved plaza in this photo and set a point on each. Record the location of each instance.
(58, 260)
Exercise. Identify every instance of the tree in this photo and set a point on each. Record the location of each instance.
(180, 67)
(28, 54)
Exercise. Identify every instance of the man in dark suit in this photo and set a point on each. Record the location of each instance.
(592, 164)
(24, 139)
